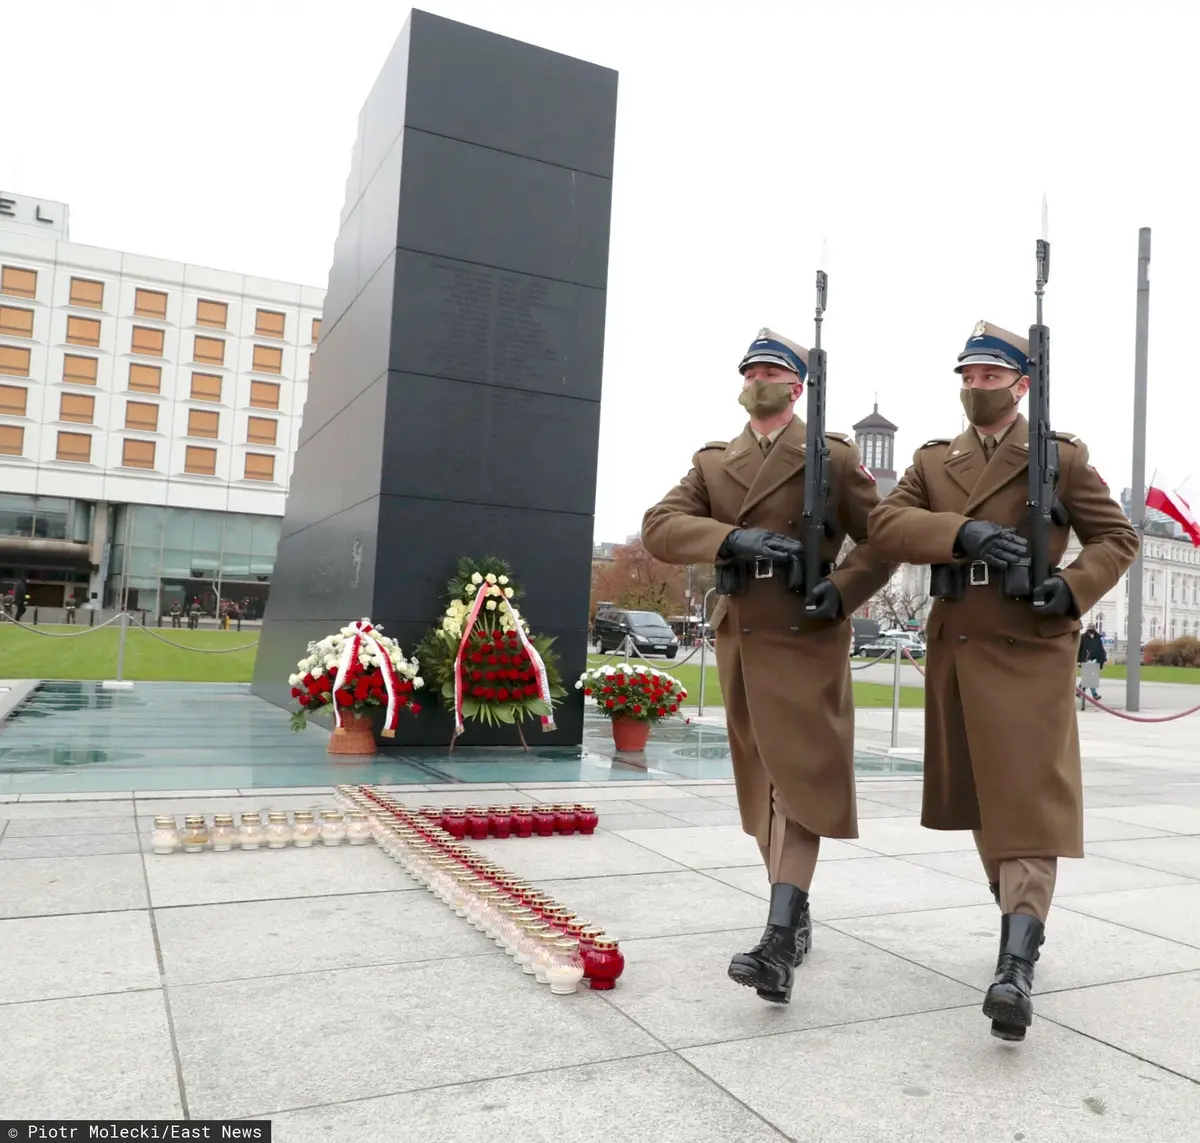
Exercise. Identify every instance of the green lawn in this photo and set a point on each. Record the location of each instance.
(1156, 674)
(28, 655)
(865, 694)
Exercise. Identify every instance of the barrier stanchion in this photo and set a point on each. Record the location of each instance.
(120, 682)
(896, 696)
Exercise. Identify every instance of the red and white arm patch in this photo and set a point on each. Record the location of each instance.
(867, 473)
(1098, 476)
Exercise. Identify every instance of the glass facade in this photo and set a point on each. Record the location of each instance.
(163, 555)
(48, 578)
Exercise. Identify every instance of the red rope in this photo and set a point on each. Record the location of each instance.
(1133, 717)
(1096, 702)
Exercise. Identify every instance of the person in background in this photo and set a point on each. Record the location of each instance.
(1091, 650)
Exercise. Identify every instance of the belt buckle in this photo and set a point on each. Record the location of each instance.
(978, 574)
(761, 562)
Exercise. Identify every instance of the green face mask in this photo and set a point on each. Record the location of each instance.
(988, 406)
(765, 398)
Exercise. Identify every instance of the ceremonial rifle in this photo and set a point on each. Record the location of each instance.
(816, 464)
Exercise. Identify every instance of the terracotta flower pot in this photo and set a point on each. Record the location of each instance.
(357, 735)
(630, 734)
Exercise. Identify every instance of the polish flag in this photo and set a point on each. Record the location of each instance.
(1173, 505)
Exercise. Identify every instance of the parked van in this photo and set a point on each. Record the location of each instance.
(650, 632)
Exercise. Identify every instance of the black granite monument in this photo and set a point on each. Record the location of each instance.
(454, 407)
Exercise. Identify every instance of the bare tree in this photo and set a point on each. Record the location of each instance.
(898, 604)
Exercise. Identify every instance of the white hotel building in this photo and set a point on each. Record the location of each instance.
(149, 412)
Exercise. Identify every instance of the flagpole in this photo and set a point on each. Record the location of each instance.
(1137, 509)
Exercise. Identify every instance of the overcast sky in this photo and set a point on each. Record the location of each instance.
(918, 137)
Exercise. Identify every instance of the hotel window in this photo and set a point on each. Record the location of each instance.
(14, 361)
(264, 395)
(268, 323)
(203, 423)
(87, 293)
(267, 359)
(18, 283)
(206, 387)
(142, 417)
(83, 331)
(200, 461)
(214, 314)
(210, 350)
(79, 407)
(76, 447)
(316, 330)
(12, 400)
(150, 303)
(12, 440)
(137, 454)
(259, 466)
(148, 342)
(80, 370)
(145, 378)
(261, 430)
(16, 322)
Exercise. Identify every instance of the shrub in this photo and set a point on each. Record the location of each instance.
(1181, 652)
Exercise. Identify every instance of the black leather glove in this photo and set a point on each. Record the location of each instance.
(996, 546)
(1053, 597)
(825, 603)
(758, 543)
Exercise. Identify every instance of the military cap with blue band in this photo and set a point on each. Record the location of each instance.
(775, 349)
(991, 345)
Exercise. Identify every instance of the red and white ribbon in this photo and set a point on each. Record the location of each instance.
(468, 627)
(539, 669)
(363, 634)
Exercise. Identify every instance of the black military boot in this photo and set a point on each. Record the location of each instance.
(769, 968)
(994, 886)
(1008, 1002)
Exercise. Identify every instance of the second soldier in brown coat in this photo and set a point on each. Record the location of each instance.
(1001, 742)
(785, 671)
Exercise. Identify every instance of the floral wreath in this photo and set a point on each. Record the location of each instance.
(354, 669)
(482, 657)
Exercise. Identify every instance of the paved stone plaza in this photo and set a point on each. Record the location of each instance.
(323, 989)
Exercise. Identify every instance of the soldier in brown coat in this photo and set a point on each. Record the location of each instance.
(1001, 742)
(785, 670)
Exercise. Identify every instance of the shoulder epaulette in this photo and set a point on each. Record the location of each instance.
(715, 444)
(936, 441)
(1070, 438)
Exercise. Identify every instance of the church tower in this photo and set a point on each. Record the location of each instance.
(875, 436)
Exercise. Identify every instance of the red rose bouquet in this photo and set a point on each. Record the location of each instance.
(630, 691)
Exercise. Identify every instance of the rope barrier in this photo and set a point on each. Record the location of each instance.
(1081, 693)
(872, 662)
(908, 656)
(184, 647)
(61, 634)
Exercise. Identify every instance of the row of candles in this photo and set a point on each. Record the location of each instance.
(549, 942)
(479, 822)
(278, 832)
(332, 827)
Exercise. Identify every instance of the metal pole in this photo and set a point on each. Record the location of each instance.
(703, 650)
(1137, 509)
(121, 648)
(896, 698)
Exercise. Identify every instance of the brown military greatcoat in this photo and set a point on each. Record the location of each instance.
(789, 704)
(1001, 742)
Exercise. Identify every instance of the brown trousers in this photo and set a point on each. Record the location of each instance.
(1026, 883)
(791, 858)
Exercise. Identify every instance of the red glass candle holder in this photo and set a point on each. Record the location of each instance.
(586, 819)
(522, 821)
(477, 823)
(603, 963)
(430, 813)
(455, 824)
(564, 819)
(544, 819)
(500, 821)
